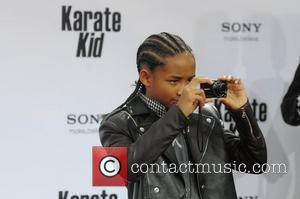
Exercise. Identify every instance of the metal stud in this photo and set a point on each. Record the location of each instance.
(208, 120)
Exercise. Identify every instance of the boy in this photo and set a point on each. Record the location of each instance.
(158, 125)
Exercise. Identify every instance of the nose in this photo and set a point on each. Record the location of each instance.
(180, 89)
(179, 93)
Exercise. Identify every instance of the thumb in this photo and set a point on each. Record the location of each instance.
(221, 99)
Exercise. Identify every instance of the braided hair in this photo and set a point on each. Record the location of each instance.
(152, 53)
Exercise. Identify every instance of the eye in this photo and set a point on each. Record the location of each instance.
(172, 82)
(191, 78)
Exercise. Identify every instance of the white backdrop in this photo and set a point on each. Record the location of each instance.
(51, 100)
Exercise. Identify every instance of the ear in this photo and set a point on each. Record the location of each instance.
(146, 76)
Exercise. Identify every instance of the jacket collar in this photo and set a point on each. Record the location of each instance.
(137, 107)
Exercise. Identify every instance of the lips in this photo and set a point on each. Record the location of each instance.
(174, 101)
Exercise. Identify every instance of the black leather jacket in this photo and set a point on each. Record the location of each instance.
(149, 139)
(289, 106)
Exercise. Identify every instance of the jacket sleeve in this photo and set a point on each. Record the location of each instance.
(290, 103)
(249, 147)
(148, 146)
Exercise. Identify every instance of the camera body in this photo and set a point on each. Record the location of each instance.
(216, 90)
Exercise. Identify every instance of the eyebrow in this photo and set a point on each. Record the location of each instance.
(180, 77)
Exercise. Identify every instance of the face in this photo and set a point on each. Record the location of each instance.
(165, 83)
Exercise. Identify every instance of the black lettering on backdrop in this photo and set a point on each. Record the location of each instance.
(103, 195)
(237, 27)
(260, 111)
(66, 18)
(91, 27)
(83, 119)
(89, 45)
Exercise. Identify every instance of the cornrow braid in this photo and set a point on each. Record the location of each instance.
(159, 46)
(138, 88)
(152, 53)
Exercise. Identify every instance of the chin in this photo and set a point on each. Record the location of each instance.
(172, 103)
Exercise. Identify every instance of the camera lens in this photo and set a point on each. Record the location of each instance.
(219, 88)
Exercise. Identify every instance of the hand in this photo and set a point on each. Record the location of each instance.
(236, 94)
(192, 96)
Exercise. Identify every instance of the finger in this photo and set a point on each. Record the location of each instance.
(237, 80)
(229, 78)
(202, 93)
(231, 86)
(200, 79)
(223, 77)
(207, 100)
(201, 98)
(200, 101)
(221, 100)
(197, 91)
(196, 103)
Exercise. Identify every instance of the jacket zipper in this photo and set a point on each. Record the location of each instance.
(187, 152)
(206, 145)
